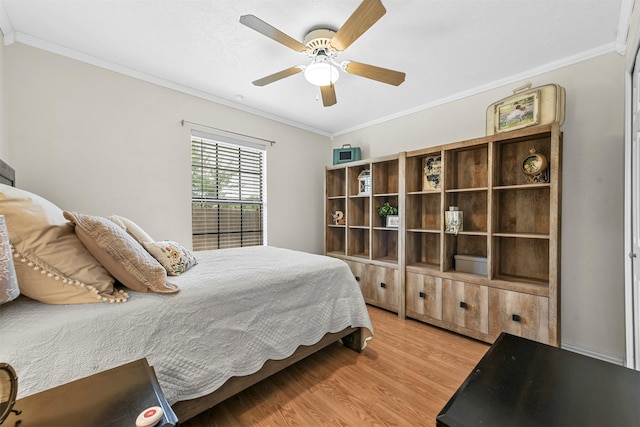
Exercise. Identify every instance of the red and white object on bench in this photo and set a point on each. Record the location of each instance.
(149, 417)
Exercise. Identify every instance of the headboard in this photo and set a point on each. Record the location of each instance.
(7, 174)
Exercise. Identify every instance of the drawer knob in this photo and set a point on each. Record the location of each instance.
(422, 295)
(357, 278)
(383, 285)
(515, 317)
(463, 305)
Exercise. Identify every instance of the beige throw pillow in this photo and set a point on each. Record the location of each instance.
(51, 264)
(133, 229)
(120, 254)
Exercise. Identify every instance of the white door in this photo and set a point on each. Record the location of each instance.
(633, 222)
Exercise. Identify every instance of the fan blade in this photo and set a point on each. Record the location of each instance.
(277, 76)
(380, 74)
(360, 21)
(328, 95)
(273, 33)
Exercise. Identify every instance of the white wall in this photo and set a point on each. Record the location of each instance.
(4, 107)
(592, 263)
(98, 142)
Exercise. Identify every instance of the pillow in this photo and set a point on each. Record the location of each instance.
(120, 254)
(8, 281)
(52, 265)
(174, 257)
(133, 229)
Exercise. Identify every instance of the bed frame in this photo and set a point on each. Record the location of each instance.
(351, 338)
(7, 174)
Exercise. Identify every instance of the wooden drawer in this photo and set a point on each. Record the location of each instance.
(379, 285)
(519, 314)
(424, 296)
(465, 305)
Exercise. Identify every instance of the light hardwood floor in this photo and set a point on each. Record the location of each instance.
(404, 377)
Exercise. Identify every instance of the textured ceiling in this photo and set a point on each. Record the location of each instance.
(447, 48)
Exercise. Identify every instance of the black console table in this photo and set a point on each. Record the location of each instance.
(520, 382)
(112, 398)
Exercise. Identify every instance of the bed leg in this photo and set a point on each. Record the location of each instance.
(353, 340)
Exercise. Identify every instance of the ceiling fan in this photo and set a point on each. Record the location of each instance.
(324, 46)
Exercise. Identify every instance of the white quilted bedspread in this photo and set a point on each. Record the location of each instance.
(235, 309)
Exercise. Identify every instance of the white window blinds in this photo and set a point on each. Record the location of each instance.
(227, 193)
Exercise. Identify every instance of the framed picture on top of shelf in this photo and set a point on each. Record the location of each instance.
(518, 111)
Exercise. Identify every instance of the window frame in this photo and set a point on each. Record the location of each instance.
(248, 151)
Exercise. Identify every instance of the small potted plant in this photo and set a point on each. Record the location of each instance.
(389, 214)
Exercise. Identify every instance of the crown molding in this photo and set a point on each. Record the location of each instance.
(551, 66)
(29, 40)
(626, 11)
(89, 59)
(5, 26)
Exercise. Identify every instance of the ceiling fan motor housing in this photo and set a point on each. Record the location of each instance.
(319, 40)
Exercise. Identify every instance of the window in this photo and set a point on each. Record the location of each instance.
(227, 193)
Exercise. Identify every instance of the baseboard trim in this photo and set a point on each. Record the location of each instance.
(611, 358)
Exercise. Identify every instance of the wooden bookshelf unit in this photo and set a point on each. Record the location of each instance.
(372, 250)
(511, 231)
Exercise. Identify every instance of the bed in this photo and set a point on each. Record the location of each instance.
(233, 318)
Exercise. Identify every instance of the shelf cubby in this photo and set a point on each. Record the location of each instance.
(423, 211)
(423, 250)
(463, 244)
(473, 205)
(336, 240)
(353, 173)
(359, 212)
(510, 154)
(384, 176)
(467, 167)
(385, 245)
(334, 204)
(358, 242)
(522, 210)
(521, 259)
(336, 183)
(379, 201)
(415, 174)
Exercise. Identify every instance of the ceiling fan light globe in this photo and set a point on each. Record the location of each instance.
(321, 74)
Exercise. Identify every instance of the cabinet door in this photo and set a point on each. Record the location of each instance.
(519, 314)
(382, 287)
(465, 305)
(424, 295)
(379, 285)
(357, 268)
